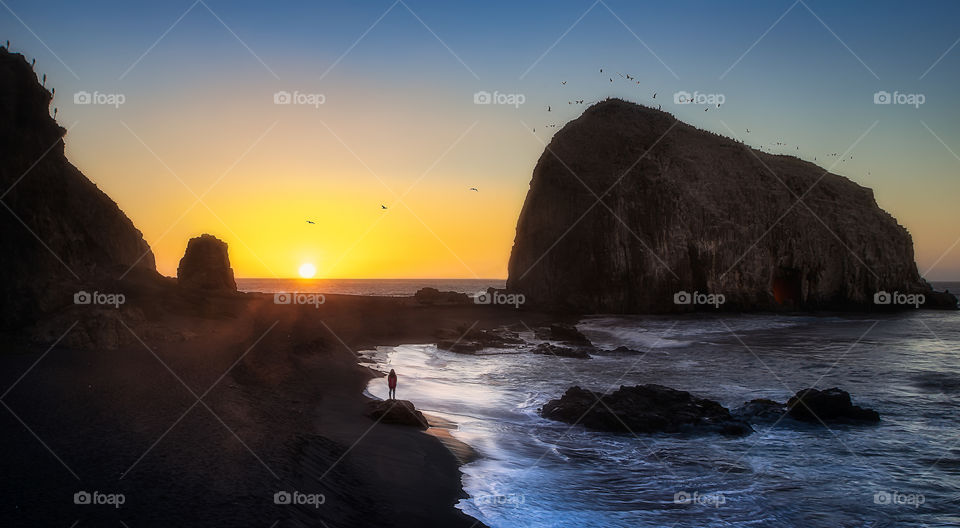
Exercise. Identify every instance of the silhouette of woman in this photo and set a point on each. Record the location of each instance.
(392, 384)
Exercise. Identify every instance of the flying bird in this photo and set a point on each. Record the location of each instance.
(474, 189)
(748, 131)
(8, 43)
(548, 108)
(654, 95)
(383, 206)
(310, 222)
(563, 82)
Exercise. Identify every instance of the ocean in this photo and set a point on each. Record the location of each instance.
(380, 287)
(535, 472)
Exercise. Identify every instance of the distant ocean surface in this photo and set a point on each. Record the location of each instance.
(378, 287)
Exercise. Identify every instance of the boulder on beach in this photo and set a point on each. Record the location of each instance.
(830, 405)
(398, 412)
(644, 409)
(206, 265)
(632, 211)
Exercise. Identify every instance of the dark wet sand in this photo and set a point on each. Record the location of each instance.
(281, 409)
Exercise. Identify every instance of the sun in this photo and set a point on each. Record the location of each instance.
(308, 270)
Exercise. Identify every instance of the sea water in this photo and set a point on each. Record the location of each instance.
(904, 471)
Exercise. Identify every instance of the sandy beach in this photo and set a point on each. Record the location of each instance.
(200, 421)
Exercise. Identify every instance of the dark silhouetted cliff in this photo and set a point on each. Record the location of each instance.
(59, 233)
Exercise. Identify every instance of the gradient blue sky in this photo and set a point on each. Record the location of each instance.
(402, 95)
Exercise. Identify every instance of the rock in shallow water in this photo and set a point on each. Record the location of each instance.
(644, 409)
(560, 351)
(760, 410)
(830, 405)
(398, 412)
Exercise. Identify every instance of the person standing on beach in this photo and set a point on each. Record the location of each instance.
(392, 383)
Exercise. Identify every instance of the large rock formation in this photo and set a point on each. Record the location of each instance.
(59, 233)
(629, 207)
(205, 265)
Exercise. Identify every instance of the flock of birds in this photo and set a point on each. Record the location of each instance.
(633, 80)
(627, 77)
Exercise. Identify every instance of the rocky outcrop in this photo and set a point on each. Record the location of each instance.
(59, 233)
(561, 351)
(433, 296)
(471, 340)
(206, 266)
(644, 409)
(628, 208)
(830, 405)
(398, 412)
(760, 410)
(566, 333)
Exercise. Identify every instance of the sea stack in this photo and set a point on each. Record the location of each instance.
(632, 211)
(206, 266)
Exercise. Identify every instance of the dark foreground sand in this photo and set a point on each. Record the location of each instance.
(281, 409)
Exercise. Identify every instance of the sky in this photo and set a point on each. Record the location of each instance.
(185, 130)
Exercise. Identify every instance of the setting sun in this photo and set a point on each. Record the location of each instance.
(308, 270)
